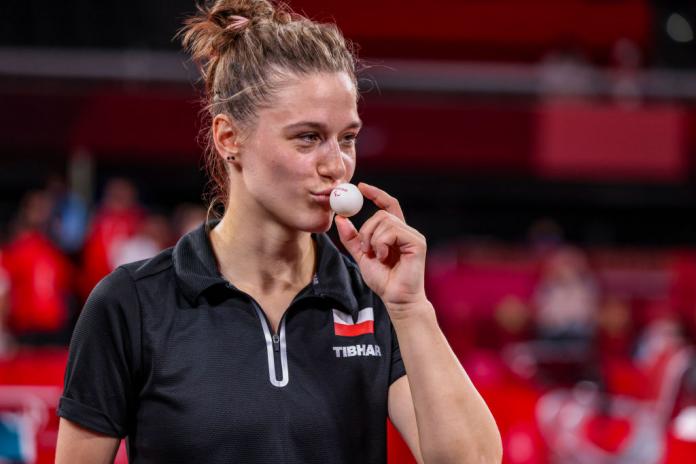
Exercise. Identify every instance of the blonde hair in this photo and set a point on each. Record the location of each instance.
(245, 49)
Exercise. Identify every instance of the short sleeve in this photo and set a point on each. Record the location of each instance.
(397, 368)
(104, 359)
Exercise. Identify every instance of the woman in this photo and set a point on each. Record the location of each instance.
(254, 339)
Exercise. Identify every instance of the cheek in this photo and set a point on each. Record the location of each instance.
(270, 164)
(350, 167)
(283, 176)
(291, 169)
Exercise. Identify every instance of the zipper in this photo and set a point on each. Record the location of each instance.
(276, 347)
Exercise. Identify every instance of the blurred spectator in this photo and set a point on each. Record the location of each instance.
(118, 219)
(565, 304)
(152, 236)
(661, 335)
(6, 342)
(513, 318)
(39, 276)
(68, 222)
(566, 297)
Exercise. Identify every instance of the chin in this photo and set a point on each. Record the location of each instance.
(317, 223)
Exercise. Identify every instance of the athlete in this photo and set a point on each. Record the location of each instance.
(254, 340)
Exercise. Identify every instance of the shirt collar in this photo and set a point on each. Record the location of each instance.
(196, 269)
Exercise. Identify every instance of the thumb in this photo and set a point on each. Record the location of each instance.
(349, 235)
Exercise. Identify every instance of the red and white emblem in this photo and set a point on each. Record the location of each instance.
(345, 327)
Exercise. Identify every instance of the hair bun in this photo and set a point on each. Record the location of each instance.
(229, 14)
(237, 23)
(207, 34)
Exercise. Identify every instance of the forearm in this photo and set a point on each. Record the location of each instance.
(76, 444)
(454, 423)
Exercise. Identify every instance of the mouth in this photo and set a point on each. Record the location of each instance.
(326, 192)
(321, 198)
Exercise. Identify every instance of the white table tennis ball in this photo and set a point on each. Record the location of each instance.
(346, 200)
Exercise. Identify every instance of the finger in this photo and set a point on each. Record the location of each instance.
(391, 235)
(382, 199)
(369, 227)
(384, 237)
(349, 236)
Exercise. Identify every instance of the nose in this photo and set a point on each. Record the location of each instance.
(332, 163)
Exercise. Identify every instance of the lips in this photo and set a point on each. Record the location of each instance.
(322, 199)
(322, 196)
(326, 192)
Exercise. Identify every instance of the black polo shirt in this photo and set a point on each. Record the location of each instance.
(171, 355)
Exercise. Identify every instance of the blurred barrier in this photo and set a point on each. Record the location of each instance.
(651, 141)
(558, 74)
(24, 415)
(582, 426)
(30, 385)
(549, 140)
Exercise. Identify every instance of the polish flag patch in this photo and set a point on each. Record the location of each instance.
(345, 327)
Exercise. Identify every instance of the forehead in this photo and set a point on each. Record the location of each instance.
(322, 97)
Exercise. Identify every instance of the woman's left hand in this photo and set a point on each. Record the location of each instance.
(389, 253)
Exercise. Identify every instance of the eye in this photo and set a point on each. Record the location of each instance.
(349, 139)
(309, 137)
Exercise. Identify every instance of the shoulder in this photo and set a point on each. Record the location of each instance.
(157, 264)
(111, 314)
(120, 288)
(121, 282)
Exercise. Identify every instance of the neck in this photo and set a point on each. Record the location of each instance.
(265, 257)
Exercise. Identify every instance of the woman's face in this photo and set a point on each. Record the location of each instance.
(301, 147)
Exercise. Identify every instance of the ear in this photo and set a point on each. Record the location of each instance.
(226, 136)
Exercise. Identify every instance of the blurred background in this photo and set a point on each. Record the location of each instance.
(546, 148)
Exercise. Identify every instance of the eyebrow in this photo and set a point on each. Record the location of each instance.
(319, 126)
